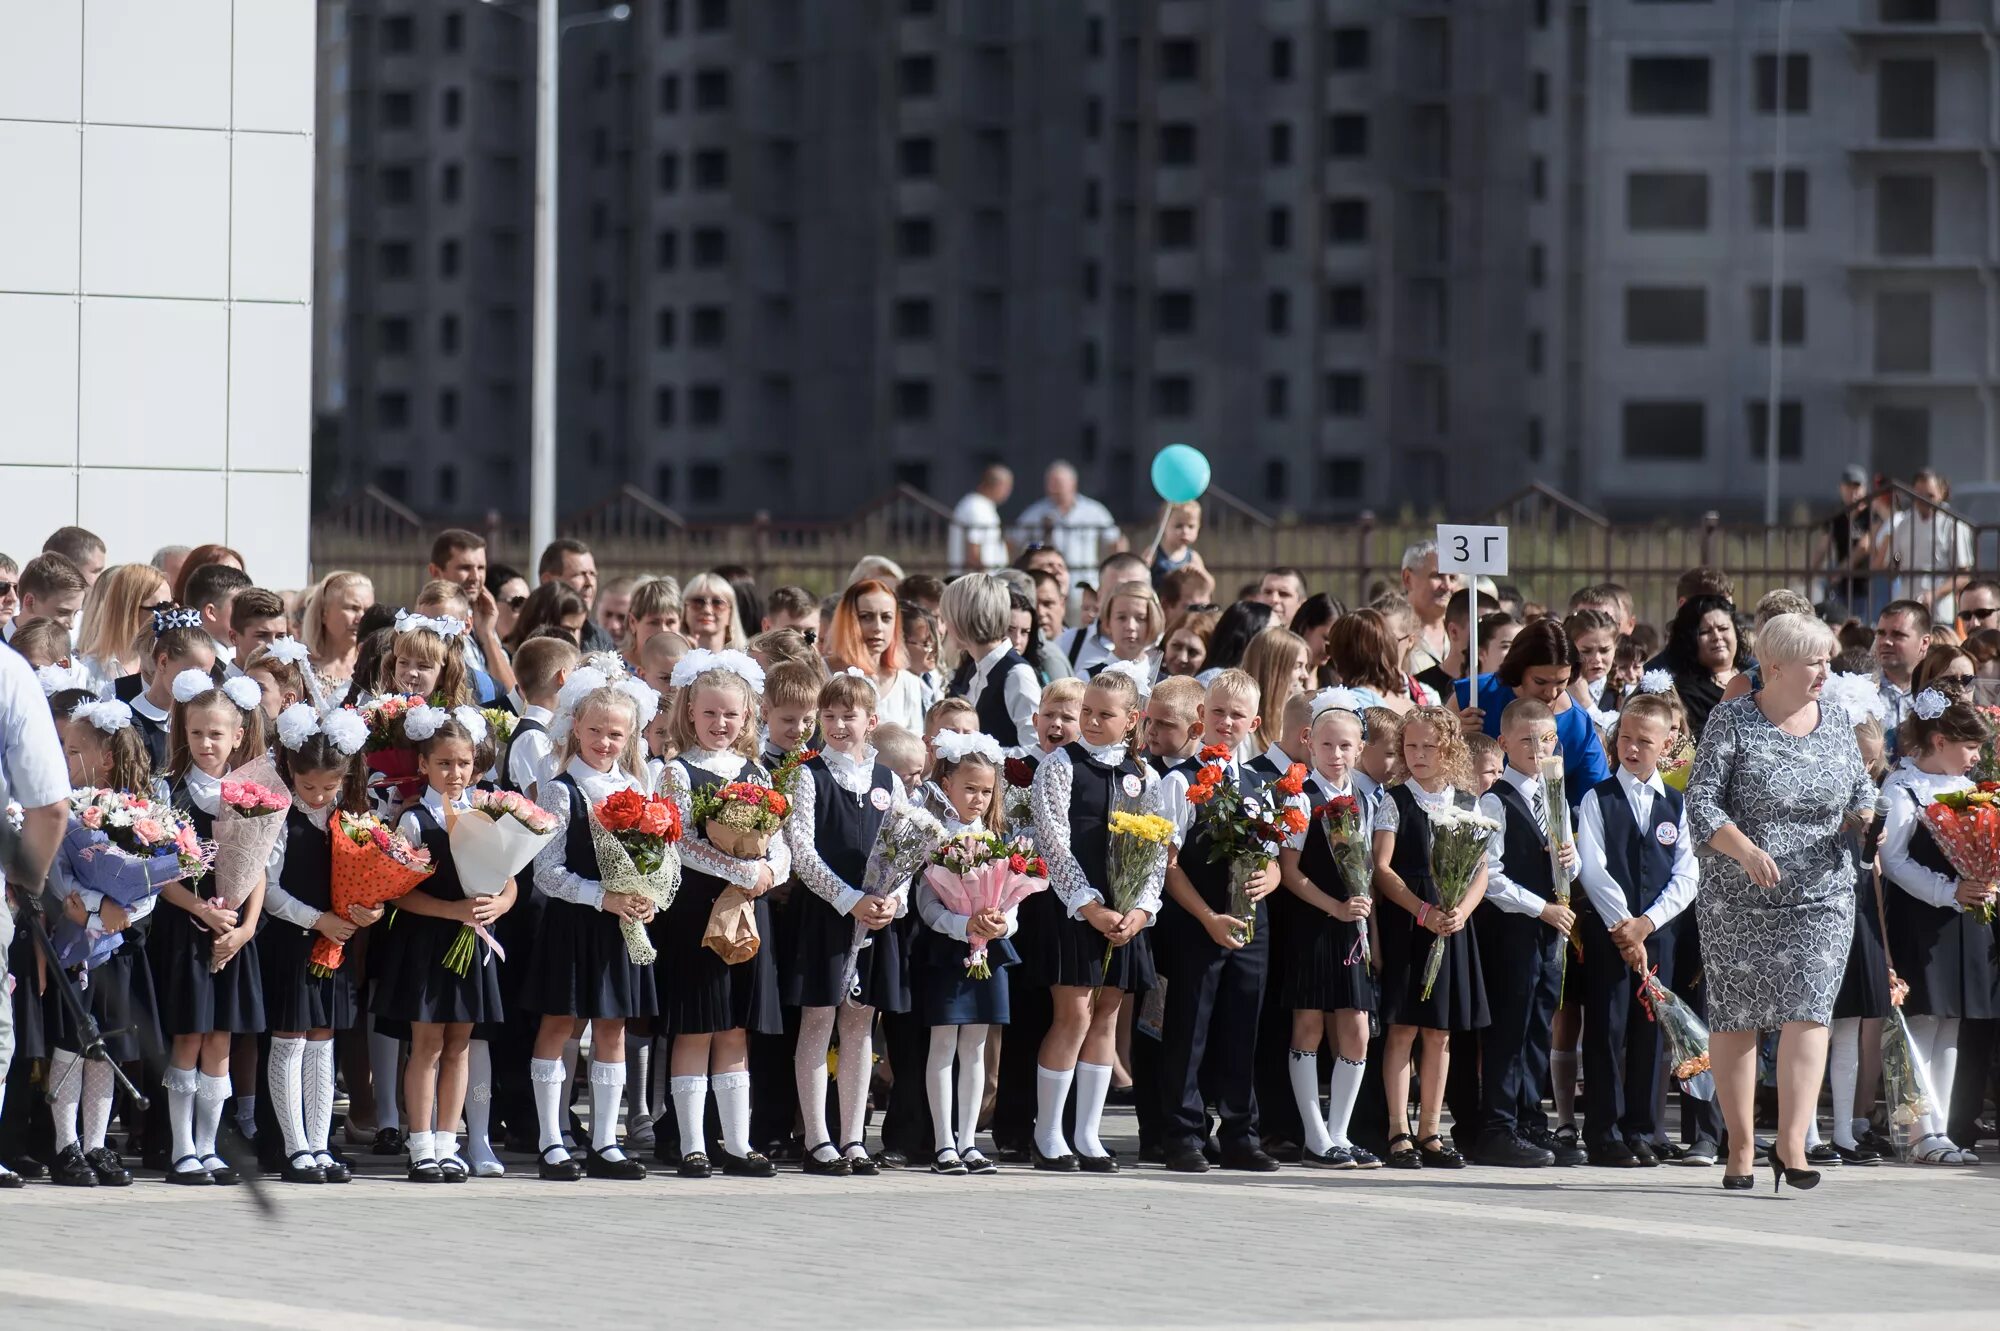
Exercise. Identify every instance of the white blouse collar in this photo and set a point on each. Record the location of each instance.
(1654, 784)
(204, 790)
(1917, 776)
(321, 817)
(144, 707)
(1110, 755)
(1328, 789)
(853, 775)
(434, 801)
(724, 763)
(1446, 796)
(589, 780)
(993, 657)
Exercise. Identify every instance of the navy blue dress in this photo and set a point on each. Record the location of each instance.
(1458, 1001)
(699, 993)
(415, 983)
(1058, 949)
(192, 1000)
(1324, 970)
(581, 966)
(844, 831)
(294, 998)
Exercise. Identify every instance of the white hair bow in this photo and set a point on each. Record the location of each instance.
(297, 724)
(445, 626)
(643, 695)
(474, 722)
(1856, 695)
(108, 715)
(1656, 681)
(55, 679)
(1929, 704)
(1139, 672)
(191, 684)
(288, 651)
(1338, 700)
(954, 746)
(422, 721)
(345, 728)
(700, 661)
(244, 692)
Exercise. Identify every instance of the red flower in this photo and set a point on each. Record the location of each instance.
(1201, 792)
(1293, 781)
(1215, 753)
(1038, 867)
(623, 812)
(1295, 821)
(1209, 776)
(1020, 773)
(1018, 863)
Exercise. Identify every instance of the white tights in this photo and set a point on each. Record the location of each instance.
(1936, 1039)
(968, 1044)
(857, 1061)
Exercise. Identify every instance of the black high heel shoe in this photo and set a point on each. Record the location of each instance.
(1805, 1180)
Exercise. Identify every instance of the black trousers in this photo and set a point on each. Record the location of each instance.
(1969, 1082)
(774, 1093)
(906, 1124)
(1621, 1047)
(1031, 1011)
(1208, 1039)
(1145, 1069)
(1522, 959)
(1277, 1111)
(1701, 1120)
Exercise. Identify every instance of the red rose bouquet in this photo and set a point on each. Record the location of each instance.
(634, 836)
(1245, 830)
(1966, 826)
(372, 865)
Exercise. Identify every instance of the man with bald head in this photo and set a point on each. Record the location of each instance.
(1077, 525)
(977, 542)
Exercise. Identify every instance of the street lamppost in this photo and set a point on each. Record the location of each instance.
(550, 29)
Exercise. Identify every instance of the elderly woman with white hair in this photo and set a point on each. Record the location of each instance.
(1777, 779)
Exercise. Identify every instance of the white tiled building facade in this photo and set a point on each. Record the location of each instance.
(156, 197)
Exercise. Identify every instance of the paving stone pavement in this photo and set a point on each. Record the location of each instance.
(1491, 1249)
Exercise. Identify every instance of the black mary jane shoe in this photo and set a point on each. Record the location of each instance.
(426, 1171)
(1439, 1156)
(71, 1170)
(188, 1178)
(1097, 1164)
(1054, 1164)
(110, 1167)
(1739, 1182)
(694, 1165)
(886, 1158)
(32, 1170)
(1860, 1154)
(1408, 1158)
(975, 1163)
(863, 1165)
(838, 1166)
(624, 1167)
(947, 1162)
(292, 1171)
(454, 1169)
(1824, 1156)
(219, 1170)
(389, 1141)
(336, 1169)
(754, 1165)
(565, 1170)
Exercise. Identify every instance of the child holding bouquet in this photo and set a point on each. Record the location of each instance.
(105, 751)
(180, 644)
(708, 1003)
(1937, 939)
(838, 806)
(1075, 792)
(203, 951)
(583, 968)
(320, 765)
(958, 1008)
(418, 986)
(1329, 986)
(1431, 753)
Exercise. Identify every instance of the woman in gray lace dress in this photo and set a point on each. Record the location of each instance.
(1775, 777)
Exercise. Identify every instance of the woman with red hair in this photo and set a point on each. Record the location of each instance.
(200, 557)
(867, 635)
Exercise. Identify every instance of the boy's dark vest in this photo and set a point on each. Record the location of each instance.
(1640, 861)
(521, 727)
(1211, 878)
(1524, 851)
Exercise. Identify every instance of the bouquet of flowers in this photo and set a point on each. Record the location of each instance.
(978, 871)
(124, 848)
(1678, 765)
(904, 843)
(740, 818)
(1135, 856)
(1987, 767)
(1683, 1033)
(1458, 848)
(1017, 815)
(372, 865)
(1245, 830)
(1555, 800)
(1906, 1088)
(1340, 819)
(500, 724)
(392, 761)
(634, 837)
(495, 839)
(1966, 825)
(247, 826)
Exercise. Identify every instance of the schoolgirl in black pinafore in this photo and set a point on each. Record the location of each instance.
(416, 985)
(1946, 954)
(844, 829)
(1458, 1002)
(1864, 988)
(1059, 950)
(1324, 971)
(582, 967)
(699, 993)
(294, 998)
(194, 1001)
(153, 729)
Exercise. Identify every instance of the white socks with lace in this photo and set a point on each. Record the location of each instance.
(857, 1062)
(732, 1106)
(181, 1084)
(549, 1081)
(316, 1091)
(1343, 1091)
(284, 1071)
(209, 1093)
(690, 1096)
(809, 1072)
(479, 1108)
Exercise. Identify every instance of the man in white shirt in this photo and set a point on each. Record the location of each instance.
(1930, 550)
(1080, 527)
(976, 541)
(35, 776)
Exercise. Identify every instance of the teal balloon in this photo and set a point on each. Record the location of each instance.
(1180, 473)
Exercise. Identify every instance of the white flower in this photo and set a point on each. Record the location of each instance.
(610, 664)
(297, 724)
(474, 722)
(118, 817)
(109, 716)
(1656, 681)
(191, 684)
(1929, 704)
(953, 747)
(288, 651)
(243, 691)
(422, 721)
(346, 729)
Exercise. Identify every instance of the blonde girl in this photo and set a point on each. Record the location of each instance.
(120, 605)
(708, 613)
(330, 623)
(1435, 766)
(582, 970)
(204, 952)
(710, 1005)
(1279, 660)
(1129, 618)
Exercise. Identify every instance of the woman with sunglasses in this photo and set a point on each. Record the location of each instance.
(120, 605)
(708, 613)
(510, 593)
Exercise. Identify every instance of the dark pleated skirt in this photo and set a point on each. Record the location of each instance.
(698, 993)
(820, 936)
(1864, 989)
(582, 967)
(29, 1002)
(417, 986)
(1457, 1002)
(945, 995)
(119, 994)
(1323, 970)
(1946, 955)
(294, 998)
(193, 1001)
(1056, 949)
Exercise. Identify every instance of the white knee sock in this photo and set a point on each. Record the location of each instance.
(285, 1071)
(316, 1090)
(638, 1080)
(607, 1088)
(65, 1093)
(691, 1108)
(1944, 1071)
(421, 1146)
(96, 1109)
(809, 1071)
(1304, 1068)
(971, 1083)
(1093, 1084)
(732, 1106)
(383, 1055)
(181, 1084)
(1812, 1132)
(479, 1103)
(937, 1079)
(1342, 1091)
(1562, 1084)
(1051, 1094)
(209, 1093)
(547, 1075)
(857, 1061)
(1843, 1074)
